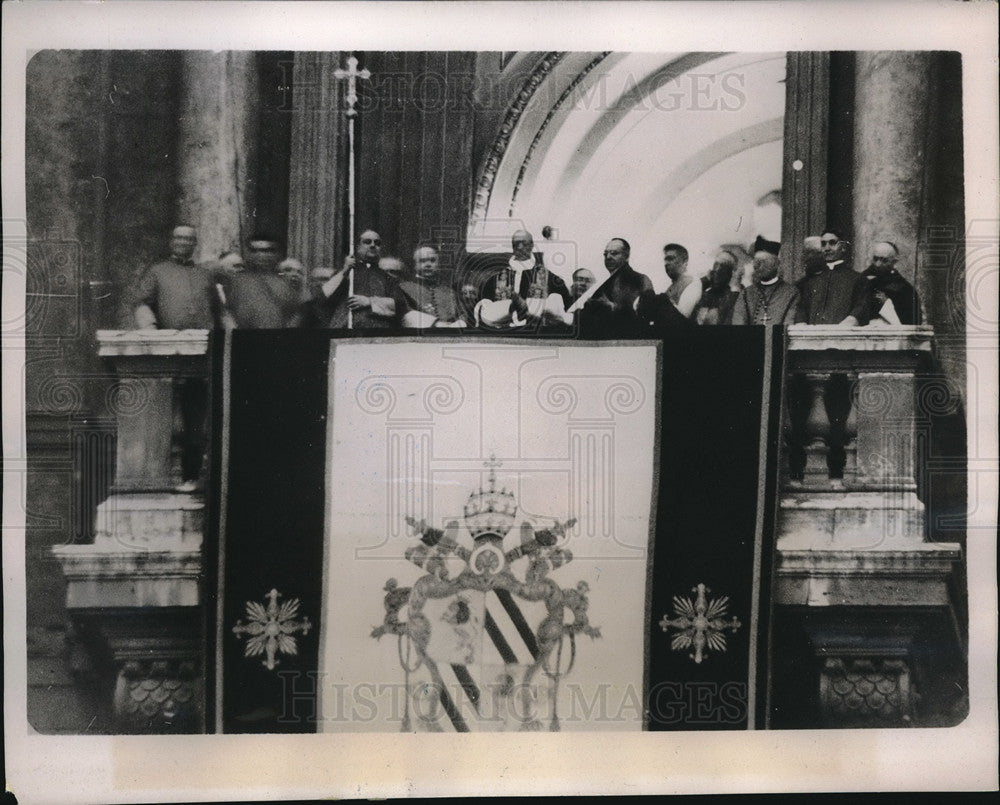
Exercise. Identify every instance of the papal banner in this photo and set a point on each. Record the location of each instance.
(462, 534)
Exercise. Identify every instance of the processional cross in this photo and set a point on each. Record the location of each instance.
(352, 74)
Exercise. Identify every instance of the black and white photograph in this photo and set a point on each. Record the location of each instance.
(366, 377)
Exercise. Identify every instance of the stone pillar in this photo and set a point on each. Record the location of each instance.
(134, 594)
(891, 103)
(217, 145)
(804, 163)
(318, 182)
(875, 506)
(853, 560)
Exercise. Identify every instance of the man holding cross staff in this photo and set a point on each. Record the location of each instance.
(370, 298)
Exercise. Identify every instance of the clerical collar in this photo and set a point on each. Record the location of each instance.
(834, 264)
(769, 282)
(187, 261)
(523, 265)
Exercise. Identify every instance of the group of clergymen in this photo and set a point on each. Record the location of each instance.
(513, 292)
(516, 292)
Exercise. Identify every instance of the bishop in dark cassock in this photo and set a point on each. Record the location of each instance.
(431, 303)
(769, 300)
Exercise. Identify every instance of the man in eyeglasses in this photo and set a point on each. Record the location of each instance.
(371, 295)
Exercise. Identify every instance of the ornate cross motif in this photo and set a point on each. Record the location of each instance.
(701, 623)
(270, 630)
(352, 74)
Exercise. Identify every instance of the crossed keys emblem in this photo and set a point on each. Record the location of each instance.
(701, 623)
(270, 631)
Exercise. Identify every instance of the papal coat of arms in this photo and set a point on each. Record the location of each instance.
(484, 637)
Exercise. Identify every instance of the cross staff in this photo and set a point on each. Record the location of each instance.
(352, 74)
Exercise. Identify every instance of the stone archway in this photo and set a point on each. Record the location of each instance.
(650, 147)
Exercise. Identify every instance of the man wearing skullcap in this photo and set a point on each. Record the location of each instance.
(769, 300)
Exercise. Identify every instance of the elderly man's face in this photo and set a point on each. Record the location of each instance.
(369, 245)
(582, 280)
(884, 258)
(521, 244)
(426, 263)
(263, 256)
(765, 267)
(182, 242)
(833, 247)
(615, 255)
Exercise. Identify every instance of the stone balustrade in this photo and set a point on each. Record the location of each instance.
(134, 594)
(852, 553)
(852, 559)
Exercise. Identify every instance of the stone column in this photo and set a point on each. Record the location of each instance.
(804, 163)
(891, 102)
(317, 181)
(217, 145)
(134, 594)
(853, 560)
